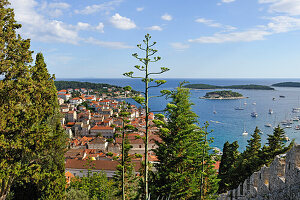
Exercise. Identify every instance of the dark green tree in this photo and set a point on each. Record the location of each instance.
(144, 100)
(30, 130)
(229, 162)
(185, 169)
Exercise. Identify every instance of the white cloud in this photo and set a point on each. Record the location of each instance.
(83, 26)
(54, 9)
(100, 27)
(167, 17)
(244, 36)
(214, 24)
(123, 23)
(140, 9)
(227, 1)
(154, 28)
(114, 45)
(37, 26)
(276, 25)
(290, 7)
(105, 7)
(179, 46)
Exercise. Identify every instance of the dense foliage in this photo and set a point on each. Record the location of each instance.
(32, 141)
(287, 84)
(223, 94)
(87, 85)
(244, 87)
(185, 170)
(236, 167)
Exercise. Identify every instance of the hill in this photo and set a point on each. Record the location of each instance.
(224, 94)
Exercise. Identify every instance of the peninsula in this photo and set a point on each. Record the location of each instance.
(224, 94)
(287, 84)
(242, 87)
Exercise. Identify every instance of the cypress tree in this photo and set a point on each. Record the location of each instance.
(31, 137)
(185, 168)
(229, 161)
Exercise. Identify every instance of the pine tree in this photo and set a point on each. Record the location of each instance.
(185, 169)
(229, 161)
(31, 138)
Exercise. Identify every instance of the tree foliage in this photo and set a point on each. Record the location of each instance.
(32, 141)
(185, 169)
(144, 100)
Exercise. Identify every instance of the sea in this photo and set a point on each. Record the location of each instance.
(226, 123)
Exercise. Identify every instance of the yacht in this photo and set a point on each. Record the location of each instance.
(254, 103)
(296, 110)
(288, 126)
(245, 132)
(254, 114)
(240, 107)
(268, 125)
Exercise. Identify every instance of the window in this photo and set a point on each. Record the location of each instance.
(140, 146)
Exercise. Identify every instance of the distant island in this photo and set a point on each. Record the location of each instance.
(287, 84)
(224, 94)
(242, 87)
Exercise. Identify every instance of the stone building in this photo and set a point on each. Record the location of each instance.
(281, 180)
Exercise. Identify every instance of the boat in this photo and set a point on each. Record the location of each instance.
(254, 114)
(270, 111)
(274, 99)
(214, 111)
(245, 103)
(268, 125)
(240, 107)
(287, 138)
(281, 96)
(295, 119)
(297, 127)
(288, 126)
(254, 103)
(296, 110)
(245, 132)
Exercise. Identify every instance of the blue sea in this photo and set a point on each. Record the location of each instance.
(228, 124)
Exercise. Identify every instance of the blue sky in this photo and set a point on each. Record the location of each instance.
(195, 38)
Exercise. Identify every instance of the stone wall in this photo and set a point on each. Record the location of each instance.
(279, 181)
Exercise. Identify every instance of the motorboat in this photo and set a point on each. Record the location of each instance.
(270, 111)
(254, 114)
(268, 125)
(281, 96)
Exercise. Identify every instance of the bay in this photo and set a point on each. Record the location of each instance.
(228, 124)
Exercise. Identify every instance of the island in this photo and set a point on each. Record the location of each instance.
(224, 94)
(287, 84)
(242, 87)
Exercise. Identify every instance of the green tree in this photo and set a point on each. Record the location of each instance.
(228, 163)
(30, 130)
(185, 169)
(144, 101)
(97, 186)
(125, 178)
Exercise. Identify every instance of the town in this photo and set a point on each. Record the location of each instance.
(92, 123)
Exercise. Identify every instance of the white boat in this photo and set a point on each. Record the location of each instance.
(288, 126)
(245, 103)
(254, 114)
(214, 111)
(297, 127)
(245, 132)
(240, 107)
(270, 111)
(295, 119)
(254, 103)
(268, 125)
(296, 110)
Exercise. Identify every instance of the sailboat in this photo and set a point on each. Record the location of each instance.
(214, 110)
(245, 132)
(240, 107)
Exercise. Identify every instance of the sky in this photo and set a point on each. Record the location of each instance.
(195, 38)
